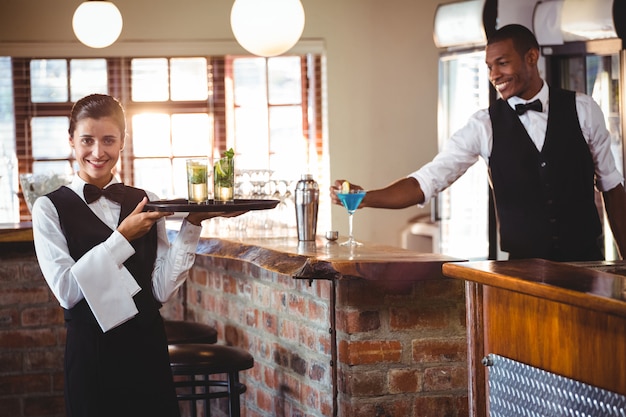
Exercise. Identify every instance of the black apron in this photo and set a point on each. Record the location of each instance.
(125, 371)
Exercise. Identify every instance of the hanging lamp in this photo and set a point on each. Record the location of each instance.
(267, 27)
(97, 23)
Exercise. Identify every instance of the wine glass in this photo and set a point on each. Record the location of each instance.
(351, 201)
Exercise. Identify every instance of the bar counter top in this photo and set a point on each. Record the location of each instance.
(598, 286)
(323, 259)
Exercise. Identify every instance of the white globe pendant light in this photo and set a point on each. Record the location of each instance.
(267, 27)
(97, 23)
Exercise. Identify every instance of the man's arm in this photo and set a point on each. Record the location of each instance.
(615, 205)
(405, 192)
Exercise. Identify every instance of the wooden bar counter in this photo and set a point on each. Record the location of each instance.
(568, 319)
(334, 331)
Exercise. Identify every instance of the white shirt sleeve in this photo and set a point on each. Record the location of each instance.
(460, 152)
(99, 276)
(174, 261)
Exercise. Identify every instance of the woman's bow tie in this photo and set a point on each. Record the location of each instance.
(114, 192)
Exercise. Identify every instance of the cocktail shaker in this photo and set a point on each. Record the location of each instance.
(307, 202)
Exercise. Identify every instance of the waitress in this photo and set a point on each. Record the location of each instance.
(110, 266)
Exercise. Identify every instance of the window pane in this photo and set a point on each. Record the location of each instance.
(284, 80)
(288, 147)
(251, 139)
(149, 79)
(154, 175)
(88, 76)
(151, 135)
(48, 80)
(191, 135)
(189, 79)
(9, 204)
(50, 137)
(54, 167)
(250, 79)
(180, 179)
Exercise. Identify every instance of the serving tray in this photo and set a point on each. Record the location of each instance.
(182, 205)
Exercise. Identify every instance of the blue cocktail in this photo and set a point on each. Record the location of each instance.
(351, 201)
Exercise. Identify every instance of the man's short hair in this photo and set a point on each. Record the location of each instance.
(523, 39)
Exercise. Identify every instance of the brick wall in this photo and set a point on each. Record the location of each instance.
(401, 345)
(32, 338)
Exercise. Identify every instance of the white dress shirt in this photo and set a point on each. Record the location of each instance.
(475, 140)
(100, 276)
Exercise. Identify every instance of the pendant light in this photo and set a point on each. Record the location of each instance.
(97, 23)
(267, 27)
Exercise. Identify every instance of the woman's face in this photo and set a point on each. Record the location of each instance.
(97, 144)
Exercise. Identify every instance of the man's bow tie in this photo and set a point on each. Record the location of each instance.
(114, 192)
(533, 105)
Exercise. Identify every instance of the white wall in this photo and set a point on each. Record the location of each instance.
(382, 77)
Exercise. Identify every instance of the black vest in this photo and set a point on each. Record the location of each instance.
(544, 200)
(83, 230)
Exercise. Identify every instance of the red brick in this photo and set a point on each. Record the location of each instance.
(269, 323)
(39, 316)
(49, 405)
(358, 292)
(296, 305)
(51, 359)
(433, 317)
(445, 378)
(440, 350)
(22, 384)
(27, 338)
(11, 362)
(288, 330)
(37, 295)
(10, 407)
(9, 317)
(9, 272)
(384, 407)
(311, 397)
(355, 321)
(318, 312)
(404, 381)
(264, 400)
(368, 352)
(444, 406)
(364, 384)
(199, 275)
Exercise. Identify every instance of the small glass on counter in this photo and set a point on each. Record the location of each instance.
(224, 179)
(198, 175)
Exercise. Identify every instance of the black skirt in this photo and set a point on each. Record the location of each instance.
(124, 372)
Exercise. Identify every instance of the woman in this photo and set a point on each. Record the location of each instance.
(110, 266)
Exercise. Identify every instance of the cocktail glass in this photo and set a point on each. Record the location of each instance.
(198, 180)
(351, 201)
(224, 180)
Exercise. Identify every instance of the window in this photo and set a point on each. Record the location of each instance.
(267, 109)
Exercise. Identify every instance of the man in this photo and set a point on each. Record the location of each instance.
(544, 160)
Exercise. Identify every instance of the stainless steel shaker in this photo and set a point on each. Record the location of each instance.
(307, 202)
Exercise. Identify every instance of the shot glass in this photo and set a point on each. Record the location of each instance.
(198, 180)
(224, 180)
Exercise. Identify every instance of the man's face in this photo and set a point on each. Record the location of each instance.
(510, 73)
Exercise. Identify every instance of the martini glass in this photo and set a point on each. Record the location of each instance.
(351, 201)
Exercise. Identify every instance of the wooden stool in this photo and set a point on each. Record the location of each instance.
(193, 360)
(179, 332)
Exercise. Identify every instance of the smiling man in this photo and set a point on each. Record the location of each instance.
(546, 150)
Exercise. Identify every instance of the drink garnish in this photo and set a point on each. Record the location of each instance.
(345, 187)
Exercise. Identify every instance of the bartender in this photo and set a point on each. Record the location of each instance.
(546, 149)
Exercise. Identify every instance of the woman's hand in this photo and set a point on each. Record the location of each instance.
(139, 222)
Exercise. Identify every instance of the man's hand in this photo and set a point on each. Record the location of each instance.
(139, 222)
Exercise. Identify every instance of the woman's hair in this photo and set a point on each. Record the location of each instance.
(96, 106)
(523, 39)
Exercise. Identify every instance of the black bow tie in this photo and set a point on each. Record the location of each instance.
(533, 105)
(114, 192)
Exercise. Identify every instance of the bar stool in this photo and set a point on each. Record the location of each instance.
(179, 331)
(193, 360)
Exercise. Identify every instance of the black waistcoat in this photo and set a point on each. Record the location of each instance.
(544, 200)
(83, 230)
